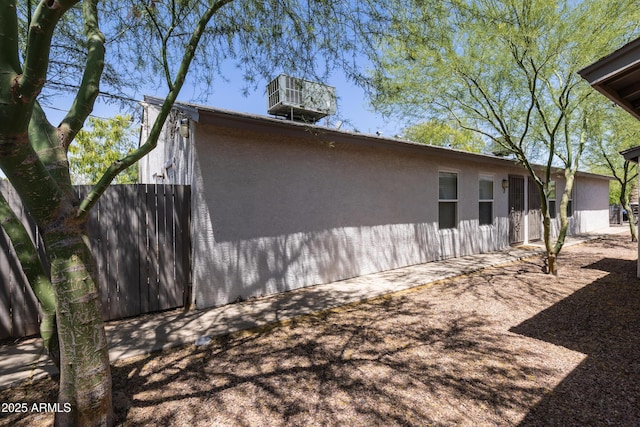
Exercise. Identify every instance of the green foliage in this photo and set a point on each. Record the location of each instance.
(439, 133)
(614, 130)
(507, 70)
(105, 142)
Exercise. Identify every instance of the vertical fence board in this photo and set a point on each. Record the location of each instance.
(24, 307)
(182, 223)
(6, 276)
(109, 229)
(97, 232)
(117, 237)
(162, 233)
(152, 247)
(185, 234)
(126, 254)
(98, 226)
(143, 250)
(165, 204)
(23, 315)
(18, 313)
(29, 307)
(174, 286)
(164, 247)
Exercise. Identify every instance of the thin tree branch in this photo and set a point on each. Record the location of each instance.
(90, 86)
(36, 59)
(164, 36)
(9, 37)
(91, 199)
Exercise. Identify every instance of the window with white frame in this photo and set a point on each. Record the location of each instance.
(570, 205)
(447, 200)
(485, 196)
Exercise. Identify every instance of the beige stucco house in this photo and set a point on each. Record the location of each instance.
(279, 205)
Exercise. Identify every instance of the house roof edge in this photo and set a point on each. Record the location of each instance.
(215, 115)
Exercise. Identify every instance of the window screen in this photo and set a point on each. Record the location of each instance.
(447, 200)
(485, 204)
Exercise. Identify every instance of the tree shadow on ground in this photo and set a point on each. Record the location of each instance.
(382, 363)
(443, 355)
(602, 321)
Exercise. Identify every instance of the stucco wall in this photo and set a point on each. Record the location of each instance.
(273, 213)
(171, 162)
(153, 163)
(591, 201)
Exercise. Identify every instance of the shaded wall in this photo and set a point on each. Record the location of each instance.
(278, 206)
(272, 213)
(591, 201)
(171, 162)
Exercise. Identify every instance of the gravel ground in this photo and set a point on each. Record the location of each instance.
(505, 346)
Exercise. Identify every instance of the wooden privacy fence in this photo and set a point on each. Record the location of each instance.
(140, 238)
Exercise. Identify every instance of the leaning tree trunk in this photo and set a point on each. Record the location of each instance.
(36, 276)
(632, 225)
(564, 225)
(85, 378)
(37, 166)
(552, 265)
(33, 155)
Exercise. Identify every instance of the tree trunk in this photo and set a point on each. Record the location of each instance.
(552, 264)
(85, 378)
(550, 247)
(553, 252)
(36, 276)
(551, 256)
(34, 158)
(632, 225)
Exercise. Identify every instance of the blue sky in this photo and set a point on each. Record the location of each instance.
(353, 105)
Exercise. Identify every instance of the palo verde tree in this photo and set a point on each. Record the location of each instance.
(507, 71)
(103, 143)
(615, 131)
(435, 132)
(86, 49)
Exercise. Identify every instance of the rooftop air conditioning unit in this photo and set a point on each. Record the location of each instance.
(497, 149)
(300, 100)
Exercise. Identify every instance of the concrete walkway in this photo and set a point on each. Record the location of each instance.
(153, 332)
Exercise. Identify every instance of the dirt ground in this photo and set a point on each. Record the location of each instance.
(505, 346)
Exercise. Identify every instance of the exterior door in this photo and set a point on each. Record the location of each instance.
(535, 212)
(516, 209)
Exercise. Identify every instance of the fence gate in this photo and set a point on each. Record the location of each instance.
(140, 238)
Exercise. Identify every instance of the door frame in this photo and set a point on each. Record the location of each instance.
(517, 209)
